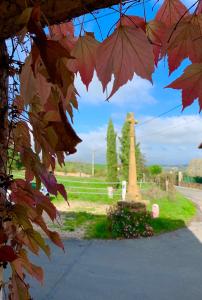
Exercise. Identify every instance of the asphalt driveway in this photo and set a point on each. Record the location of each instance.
(165, 267)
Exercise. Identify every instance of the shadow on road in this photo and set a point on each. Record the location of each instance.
(163, 267)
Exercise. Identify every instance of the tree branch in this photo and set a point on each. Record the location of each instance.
(56, 11)
(3, 105)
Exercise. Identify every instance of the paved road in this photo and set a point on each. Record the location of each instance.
(165, 267)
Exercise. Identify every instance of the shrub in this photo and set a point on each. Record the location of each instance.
(153, 193)
(155, 170)
(128, 224)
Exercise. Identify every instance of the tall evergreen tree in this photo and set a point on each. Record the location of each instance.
(124, 148)
(112, 174)
(124, 152)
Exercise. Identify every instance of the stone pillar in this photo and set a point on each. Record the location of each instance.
(133, 193)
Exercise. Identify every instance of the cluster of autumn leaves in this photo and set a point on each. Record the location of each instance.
(47, 93)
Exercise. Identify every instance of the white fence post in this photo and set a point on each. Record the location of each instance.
(124, 185)
(110, 191)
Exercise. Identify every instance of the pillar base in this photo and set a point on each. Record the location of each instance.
(134, 206)
(136, 197)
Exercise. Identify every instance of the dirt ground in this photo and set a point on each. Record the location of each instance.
(95, 208)
(75, 206)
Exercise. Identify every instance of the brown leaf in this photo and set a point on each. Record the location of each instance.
(51, 52)
(20, 291)
(55, 238)
(68, 138)
(24, 18)
(21, 136)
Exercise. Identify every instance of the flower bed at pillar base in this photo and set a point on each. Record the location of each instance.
(125, 223)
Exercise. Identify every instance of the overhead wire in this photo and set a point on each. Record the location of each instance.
(165, 130)
(158, 116)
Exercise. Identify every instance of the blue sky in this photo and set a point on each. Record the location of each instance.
(170, 139)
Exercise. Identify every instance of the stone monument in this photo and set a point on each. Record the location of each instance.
(133, 199)
(133, 193)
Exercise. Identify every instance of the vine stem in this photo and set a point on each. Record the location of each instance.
(4, 63)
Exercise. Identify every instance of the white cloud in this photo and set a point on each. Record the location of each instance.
(171, 140)
(94, 140)
(171, 130)
(136, 93)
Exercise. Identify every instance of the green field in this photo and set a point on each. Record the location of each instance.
(86, 189)
(100, 170)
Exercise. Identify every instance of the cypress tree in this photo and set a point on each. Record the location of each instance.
(125, 148)
(124, 152)
(112, 175)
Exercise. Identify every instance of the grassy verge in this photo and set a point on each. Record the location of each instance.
(174, 214)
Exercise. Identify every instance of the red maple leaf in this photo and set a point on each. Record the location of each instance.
(199, 8)
(22, 191)
(171, 11)
(134, 21)
(191, 85)
(184, 41)
(125, 52)
(64, 33)
(84, 52)
(155, 31)
(34, 83)
(62, 30)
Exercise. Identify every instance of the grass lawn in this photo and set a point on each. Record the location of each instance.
(174, 214)
(88, 207)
